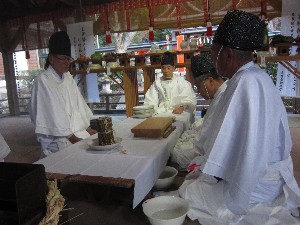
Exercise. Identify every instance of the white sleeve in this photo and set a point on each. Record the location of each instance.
(151, 97)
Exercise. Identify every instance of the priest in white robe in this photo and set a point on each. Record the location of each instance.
(247, 175)
(57, 108)
(211, 87)
(171, 93)
(4, 149)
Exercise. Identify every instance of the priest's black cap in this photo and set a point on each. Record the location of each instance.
(60, 44)
(240, 30)
(167, 58)
(201, 65)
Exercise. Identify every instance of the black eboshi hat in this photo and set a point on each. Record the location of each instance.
(167, 59)
(240, 30)
(59, 43)
(202, 64)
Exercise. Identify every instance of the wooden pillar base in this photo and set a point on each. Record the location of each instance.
(130, 90)
(149, 77)
(11, 84)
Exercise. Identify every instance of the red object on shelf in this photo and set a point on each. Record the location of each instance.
(108, 37)
(151, 34)
(209, 29)
(142, 52)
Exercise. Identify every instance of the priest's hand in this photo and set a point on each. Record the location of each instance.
(91, 131)
(178, 110)
(73, 139)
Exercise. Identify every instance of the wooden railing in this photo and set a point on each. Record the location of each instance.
(110, 103)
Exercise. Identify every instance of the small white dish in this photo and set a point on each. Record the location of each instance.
(94, 145)
(142, 107)
(142, 116)
(139, 112)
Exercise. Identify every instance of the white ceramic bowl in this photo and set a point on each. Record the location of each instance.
(113, 64)
(138, 112)
(166, 210)
(142, 107)
(166, 178)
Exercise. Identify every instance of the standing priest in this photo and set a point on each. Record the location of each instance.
(58, 110)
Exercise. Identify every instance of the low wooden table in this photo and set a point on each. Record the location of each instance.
(138, 168)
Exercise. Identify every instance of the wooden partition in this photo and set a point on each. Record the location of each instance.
(130, 83)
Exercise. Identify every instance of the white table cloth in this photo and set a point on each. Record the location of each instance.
(143, 162)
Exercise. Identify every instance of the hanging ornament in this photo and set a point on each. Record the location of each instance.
(263, 14)
(206, 17)
(151, 18)
(106, 25)
(27, 54)
(108, 37)
(208, 29)
(151, 34)
(263, 7)
(233, 4)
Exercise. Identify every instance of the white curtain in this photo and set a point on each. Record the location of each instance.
(287, 83)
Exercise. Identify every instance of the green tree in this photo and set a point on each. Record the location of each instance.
(271, 69)
(26, 78)
(160, 34)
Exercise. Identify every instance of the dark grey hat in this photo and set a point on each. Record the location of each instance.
(167, 58)
(60, 44)
(202, 64)
(240, 30)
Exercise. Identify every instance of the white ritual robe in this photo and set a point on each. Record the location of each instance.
(4, 149)
(58, 110)
(249, 148)
(177, 92)
(189, 145)
(208, 118)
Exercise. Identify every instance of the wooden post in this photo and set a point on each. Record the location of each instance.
(297, 105)
(11, 85)
(130, 90)
(8, 45)
(149, 77)
(107, 103)
(297, 100)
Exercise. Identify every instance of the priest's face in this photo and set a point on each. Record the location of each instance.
(204, 86)
(219, 59)
(167, 71)
(60, 63)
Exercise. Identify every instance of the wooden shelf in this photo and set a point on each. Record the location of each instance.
(282, 58)
(285, 62)
(121, 68)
